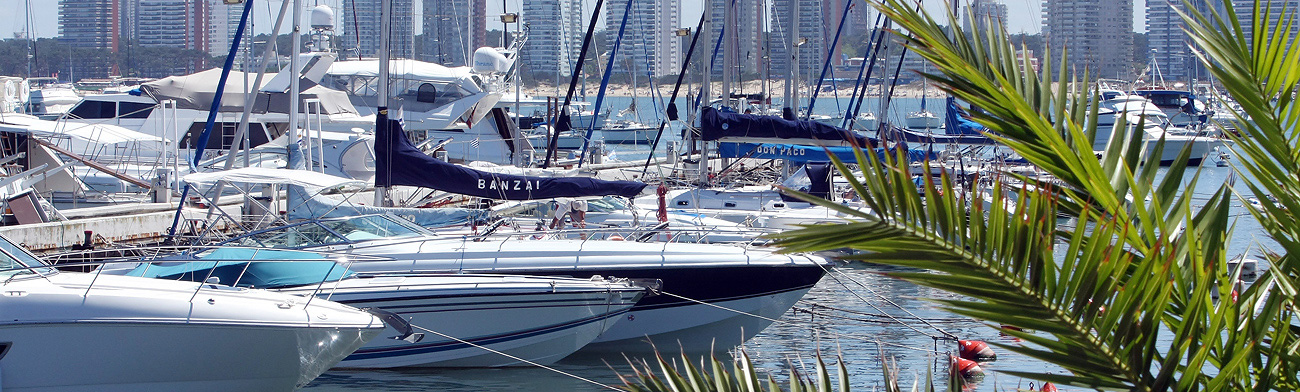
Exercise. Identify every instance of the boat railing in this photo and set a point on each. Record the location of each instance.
(148, 256)
(662, 232)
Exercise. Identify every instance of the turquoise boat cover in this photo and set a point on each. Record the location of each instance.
(244, 267)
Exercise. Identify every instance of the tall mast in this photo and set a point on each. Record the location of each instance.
(296, 30)
(792, 57)
(386, 11)
(729, 36)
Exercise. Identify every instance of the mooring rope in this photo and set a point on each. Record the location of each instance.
(776, 321)
(574, 376)
(832, 274)
(945, 319)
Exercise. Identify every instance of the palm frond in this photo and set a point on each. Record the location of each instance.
(1140, 261)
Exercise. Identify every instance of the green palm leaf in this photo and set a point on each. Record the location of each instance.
(1143, 262)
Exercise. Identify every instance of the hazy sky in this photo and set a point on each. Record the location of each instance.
(1024, 15)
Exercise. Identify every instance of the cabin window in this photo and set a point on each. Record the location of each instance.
(436, 93)
(426, 93)
(729, 204)
(94, 109)
(134, 109)
(683, 203)
(223, 135)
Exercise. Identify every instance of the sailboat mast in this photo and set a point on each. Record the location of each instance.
(792, 58)
(728, 50)
(381, 117)
(296, 30)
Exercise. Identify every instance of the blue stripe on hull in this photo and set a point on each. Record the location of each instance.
(418, 349)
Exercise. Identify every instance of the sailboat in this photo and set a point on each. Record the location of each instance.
(923, 119)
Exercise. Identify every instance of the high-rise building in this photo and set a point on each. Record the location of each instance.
(810, 43)
(1098, 35)
(361, 29)
(223, 20)
(554, 35)
(749, 48)
(1169, 45)
(90, 23)
(173, 23)
(649, 46)
(1244, 8)
(979, 15)
(453, 30)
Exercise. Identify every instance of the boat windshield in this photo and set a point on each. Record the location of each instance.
(607, 204)
(331, 232)
(14, 261)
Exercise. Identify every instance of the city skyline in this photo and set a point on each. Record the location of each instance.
(1024, 15)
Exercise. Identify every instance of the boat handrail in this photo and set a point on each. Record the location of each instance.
(159, 254)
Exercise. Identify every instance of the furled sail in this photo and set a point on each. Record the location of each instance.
(736, 127)
(958, 122)
(398, 162)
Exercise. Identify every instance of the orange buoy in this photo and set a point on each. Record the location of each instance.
(975, 350)
(1049, 387)
(615, 237)
(966, 368)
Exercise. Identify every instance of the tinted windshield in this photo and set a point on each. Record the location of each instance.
(14, 256)
(331, 232)
(371, 227)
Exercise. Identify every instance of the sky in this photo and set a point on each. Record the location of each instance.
(1024, 15)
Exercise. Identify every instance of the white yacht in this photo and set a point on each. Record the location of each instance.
(713, 296)
(463, 320)
(1155, 125)
(924, 119)
(69, 331)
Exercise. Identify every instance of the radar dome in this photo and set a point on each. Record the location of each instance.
(322, 18)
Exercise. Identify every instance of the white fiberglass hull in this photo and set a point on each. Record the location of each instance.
(136, 334)
(722, 324)
(160, 356)
(633, 135)
(536, 319)
(696, 280)
(923, 120)
(758, 207)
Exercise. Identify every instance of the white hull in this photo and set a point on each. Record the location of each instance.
(537, 319)
(923, 120)
(722, 325)
(759, 207)
(643, 135)
(690, 272)
(709, 273)
(136, 334)
(162, 356)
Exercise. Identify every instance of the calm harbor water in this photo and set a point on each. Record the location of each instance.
(855, 311)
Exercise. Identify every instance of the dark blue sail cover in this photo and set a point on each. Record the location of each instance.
(803, 154)
(715, 125)
(958, 122)
(398, 162)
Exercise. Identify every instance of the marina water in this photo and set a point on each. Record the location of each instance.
(854, 313)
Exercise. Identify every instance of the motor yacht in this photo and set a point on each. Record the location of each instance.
(463, 320)
(71, 331)
(711, 296)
